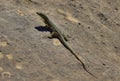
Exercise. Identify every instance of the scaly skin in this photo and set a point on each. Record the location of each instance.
(61, 37)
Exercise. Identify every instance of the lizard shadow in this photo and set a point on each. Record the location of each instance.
(43, 29)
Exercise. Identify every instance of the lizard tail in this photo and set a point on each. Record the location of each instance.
(82, 63)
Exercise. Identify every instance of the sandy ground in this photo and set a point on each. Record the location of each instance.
(27, 54)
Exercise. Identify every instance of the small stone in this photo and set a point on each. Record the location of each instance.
(18, 66)
(3, 44)
(56, 42)
(6, 75)
(1, 69)
(21, 13)
(1, 55)
(9, 56)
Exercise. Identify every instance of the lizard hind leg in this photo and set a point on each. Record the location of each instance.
(54, 35)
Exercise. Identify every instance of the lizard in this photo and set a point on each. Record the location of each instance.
(63, 39)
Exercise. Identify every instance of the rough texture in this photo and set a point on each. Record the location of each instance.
(27, 54)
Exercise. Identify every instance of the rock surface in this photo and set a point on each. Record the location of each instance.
(27, 54)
